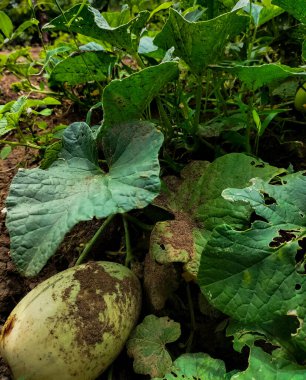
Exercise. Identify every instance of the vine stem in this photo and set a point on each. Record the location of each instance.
(138, 223)
(198, 96)
(128, 247)
(192, 320)
(164, 118)
(27, 144)
(92, 241)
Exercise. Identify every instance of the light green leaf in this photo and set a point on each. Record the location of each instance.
(47, 101)
(199, 43)
(3, 126)
(115, 19)
(256, 275)
(262, 13)
(161, 7)
(196, 367)
(83, 68)
(91, 23)
(127, 99)
(6, 25)
(267, 367)
(255, 77)
(296, 8)
(24, 26)
(147, 345)
(5, 151)
(43, 205)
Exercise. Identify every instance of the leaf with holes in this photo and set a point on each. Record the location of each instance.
(43, 205)
(257, 275)
(199, 207)
(196, 367)
(265, 366)
(147, 345)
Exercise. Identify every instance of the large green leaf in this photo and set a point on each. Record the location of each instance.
(45, 204)
(255, 77)
(147, 345)
(257, 275)
(127, 99)
(196, 367)
(267, 367)
(83, 68)
(199, 43)
(297, 8)
(199, 207)
(88, 21)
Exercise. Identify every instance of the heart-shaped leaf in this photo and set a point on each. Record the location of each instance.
(147, 345)
(199, 43)
(43, 205)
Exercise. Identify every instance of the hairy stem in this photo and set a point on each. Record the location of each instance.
(128, 247)
(92, 241)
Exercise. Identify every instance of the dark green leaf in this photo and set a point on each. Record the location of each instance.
(255, 275)
(267, 367)
(127, 99)
(199, 43)
(297, 8)
(83, 68)
(255, 77)
(91, 23)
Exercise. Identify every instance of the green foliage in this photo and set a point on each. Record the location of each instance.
(258, 266)
(210, 84)
(25, 110)
(39, 222)
(298, 10)
(82, 68)
(127, 99)
(89, 22)
(270, 368)
(202, 43)
(147, 345)
(196, 367)
(7, 28)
